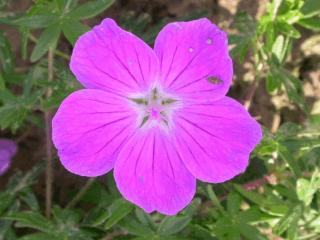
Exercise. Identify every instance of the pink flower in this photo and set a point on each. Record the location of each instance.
(158, 117)
(8, 149)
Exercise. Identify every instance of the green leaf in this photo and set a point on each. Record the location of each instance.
(136, 228)
(2, 83)
(38, 236)
(118, 210)
(310, 23)
(173, 225)
(12, 116)
(144, 218)
(233, 203)
(280, 48)
(30, 199)
(48, 39)
(250, 195)
(310, 8)
(6, 56)
(24, 42)
(73, 29)
(253, 214)
(288, 29)
(288, 157)
(90, 9)
(247, 31)
(6, 199)
(31, 220)
(272, 83)
(306, 189)
(275, 7)
(65, 216)
(250, 232)
(97, 216)
(37, 21)
(293, 215)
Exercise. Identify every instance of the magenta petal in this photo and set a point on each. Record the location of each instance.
(89, 129)
(5, 161)
(9, 146)
(194, 59)
(109, 57)
(215, 139)
(8, 149)
(150, 173)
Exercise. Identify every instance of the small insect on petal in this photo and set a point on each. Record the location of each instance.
(214, 80)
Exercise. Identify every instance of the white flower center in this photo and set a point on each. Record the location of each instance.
(155, 108)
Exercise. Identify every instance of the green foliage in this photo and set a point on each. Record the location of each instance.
(270, 39)
(282, 201)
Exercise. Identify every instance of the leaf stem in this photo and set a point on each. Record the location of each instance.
(80, 194)
(48, 118)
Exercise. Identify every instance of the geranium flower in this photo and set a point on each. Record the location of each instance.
(8, 149)
(158, 117)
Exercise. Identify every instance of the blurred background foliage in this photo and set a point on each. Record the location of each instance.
(275, 45)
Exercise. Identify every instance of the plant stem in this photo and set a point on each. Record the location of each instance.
(56, 51)
(80, 194)
(48, 118)
(250, 94)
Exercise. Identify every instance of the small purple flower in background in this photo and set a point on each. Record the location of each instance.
(8, 149)
(158, 117)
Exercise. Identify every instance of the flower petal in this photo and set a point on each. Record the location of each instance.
(89, 129)
(194, 59)
(215, 139)
(5, 160)
(150, 173)
(109, 57)
(8, 149)
(9, 146)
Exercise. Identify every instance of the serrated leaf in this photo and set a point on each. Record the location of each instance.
(38, 236)
(136, 228)
(250, 232)
(37, 21)
(73, 29)
(272, 83)
(97, 216)
(118, 210)
(30, 219)
(90, 9)
(30, 199)
(2, 83)
(48, 39)
(250, 195)
(66, 216)
(306, 189)
(173, 225)
(6, 56)
(6, 199)
(144, 218)
(288, 157)
(293, 215)
(233, 203)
